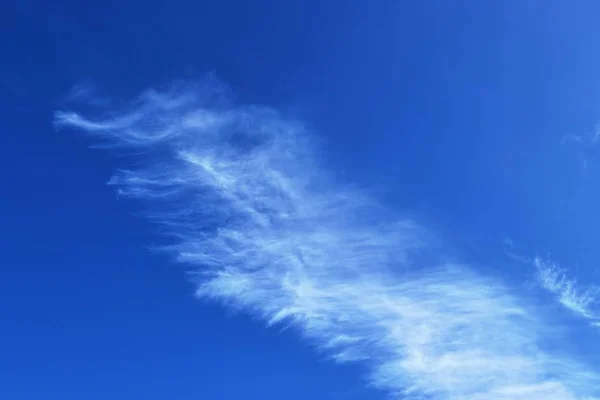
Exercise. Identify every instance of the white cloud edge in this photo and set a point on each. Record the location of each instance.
(276, 237)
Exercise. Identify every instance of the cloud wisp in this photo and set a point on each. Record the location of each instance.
(581, 300)
(586, 148)
(266, 229)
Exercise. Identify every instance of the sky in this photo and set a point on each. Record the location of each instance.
(300, 199)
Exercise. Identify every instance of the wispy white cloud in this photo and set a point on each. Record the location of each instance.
(586, 148)
(267, 230)
(571, 139)
(88, 92)
(589, 139)
(580, 299)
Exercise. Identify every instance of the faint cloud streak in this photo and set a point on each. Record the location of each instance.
(583, 301)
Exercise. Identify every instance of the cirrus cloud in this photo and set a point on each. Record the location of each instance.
(265, 228)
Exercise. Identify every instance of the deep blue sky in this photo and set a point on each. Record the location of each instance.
(455, 112)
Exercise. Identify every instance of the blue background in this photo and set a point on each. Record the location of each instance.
(453, 110)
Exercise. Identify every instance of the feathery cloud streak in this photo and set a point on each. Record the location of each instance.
(268, 230)
(581, 300)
